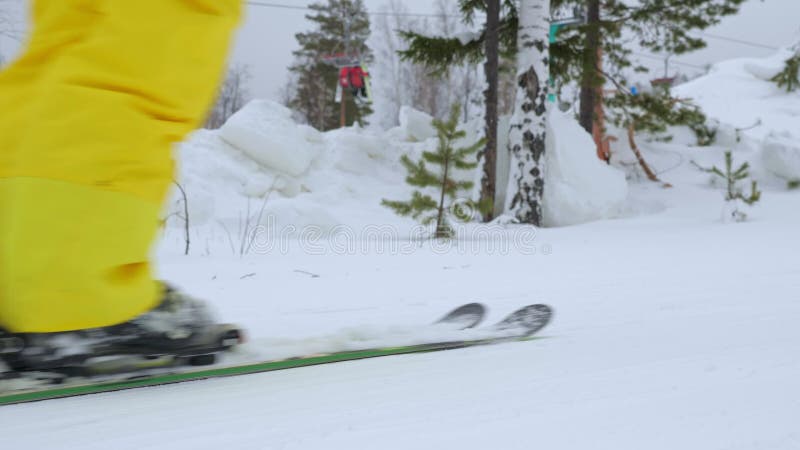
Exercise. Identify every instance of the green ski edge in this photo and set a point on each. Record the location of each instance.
(230, 371)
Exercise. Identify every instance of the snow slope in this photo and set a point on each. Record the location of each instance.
(756, 117)
(672, 331)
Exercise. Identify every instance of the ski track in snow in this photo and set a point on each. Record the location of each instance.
(670, 332)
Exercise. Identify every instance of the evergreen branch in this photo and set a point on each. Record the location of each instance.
(440, 53)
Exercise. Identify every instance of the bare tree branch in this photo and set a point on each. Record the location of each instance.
(233, 95)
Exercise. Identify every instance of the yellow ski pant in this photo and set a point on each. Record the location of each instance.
(88, 116)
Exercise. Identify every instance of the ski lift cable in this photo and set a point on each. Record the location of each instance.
(661, 58)
(380, 13)
(740, 41)
(401, 14)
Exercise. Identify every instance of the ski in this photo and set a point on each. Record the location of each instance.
(367, 82)
(518, 326)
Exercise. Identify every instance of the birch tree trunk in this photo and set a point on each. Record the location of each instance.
(528, 124)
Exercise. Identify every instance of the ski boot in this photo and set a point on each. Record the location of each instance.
(179, 331)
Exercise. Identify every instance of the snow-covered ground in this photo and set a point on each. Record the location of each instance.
(673, 329)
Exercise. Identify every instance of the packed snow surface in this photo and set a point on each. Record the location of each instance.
(672, 330)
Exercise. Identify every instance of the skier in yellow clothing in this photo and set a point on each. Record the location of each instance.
(88, 116)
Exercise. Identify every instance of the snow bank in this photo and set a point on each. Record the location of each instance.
(781, 156)
(758, 120)
(266, 132)
(261, 168)
(739, 95)
(416, 125)
(578, 187)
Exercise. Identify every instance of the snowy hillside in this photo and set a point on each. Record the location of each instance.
(757, 120)
(672, 329)
(262, 168)
(263, 164)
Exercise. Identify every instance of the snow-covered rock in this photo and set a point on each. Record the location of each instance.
(578, 187)
(416, 125)
(265, 131)
(781, 156)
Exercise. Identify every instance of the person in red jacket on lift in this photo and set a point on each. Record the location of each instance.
(358, 82)
(354, 78)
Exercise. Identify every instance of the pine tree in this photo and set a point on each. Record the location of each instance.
(440, 53)
(424, 207)
(653, 113)
(492, 71)
(733, 193)
(789, 77)
(659, 26)
(342, 26)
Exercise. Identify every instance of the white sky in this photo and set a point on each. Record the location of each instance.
(266, 39)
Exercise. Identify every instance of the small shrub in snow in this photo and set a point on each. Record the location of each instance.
(789, 77)
(734, 195)
(422, 206)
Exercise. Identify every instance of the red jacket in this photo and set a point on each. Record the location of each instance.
(344, 77)
(357, 77)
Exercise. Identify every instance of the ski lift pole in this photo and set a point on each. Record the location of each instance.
(341, 61)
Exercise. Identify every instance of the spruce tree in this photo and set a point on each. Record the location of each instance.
(424, 207)
(341, 27)
(659, 26)
(653, 113)
(733, 193)
(492, 71)
(440, 53)
(789, 77)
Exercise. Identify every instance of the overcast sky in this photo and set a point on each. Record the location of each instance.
(266, 39)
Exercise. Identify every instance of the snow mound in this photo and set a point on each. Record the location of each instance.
(264, 170)
(265, 131)
(578, 187)
(416, 125)
(739, 95)
(781, 156)
(757, 120)
(219, 179)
